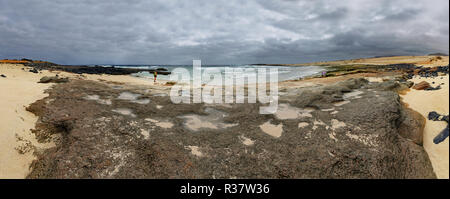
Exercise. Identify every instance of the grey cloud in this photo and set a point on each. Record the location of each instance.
(219, 32)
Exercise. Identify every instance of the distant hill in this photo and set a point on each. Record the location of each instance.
(22, 61)
(437, 54)
(417, 60)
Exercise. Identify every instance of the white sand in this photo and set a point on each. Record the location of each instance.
(425, 102)
(17, 91)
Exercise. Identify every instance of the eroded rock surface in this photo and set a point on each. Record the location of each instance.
(358, 139)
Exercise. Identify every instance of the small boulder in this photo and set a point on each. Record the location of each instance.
(4, 76)
(34, 70)
(55, 79)
(421, 86)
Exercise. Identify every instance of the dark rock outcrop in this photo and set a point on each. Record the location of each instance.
(91, 69)
(421, 86)
(434, 116)
(361, 139)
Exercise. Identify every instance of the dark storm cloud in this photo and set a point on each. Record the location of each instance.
(221, 31)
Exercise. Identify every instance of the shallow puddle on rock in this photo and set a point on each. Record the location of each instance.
(133, 97)
(194, 123)
(97, 98)
(271, 129)
(92, 97)
(141, 101)
(341, 103)
(214, 120)
(285, 112)
(128, 96)
(162, 124)
(352, 95)
(160, 95)
(124, 111)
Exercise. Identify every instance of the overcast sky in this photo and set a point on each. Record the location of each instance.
(219, 31)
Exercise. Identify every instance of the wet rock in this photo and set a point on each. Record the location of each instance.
(438, 117)
(442, 136)
(433, 88)
(34, 70)
(54, 79)
(92, 69)
(421, 86)
(434, 116)
(162, 69)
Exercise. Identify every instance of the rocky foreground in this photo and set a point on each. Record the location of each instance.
(350, 129)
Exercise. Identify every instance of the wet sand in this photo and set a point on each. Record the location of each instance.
(425, 102)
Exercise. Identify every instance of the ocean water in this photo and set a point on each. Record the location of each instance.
(283, 72)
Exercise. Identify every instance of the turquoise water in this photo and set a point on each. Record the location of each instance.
(283, 72)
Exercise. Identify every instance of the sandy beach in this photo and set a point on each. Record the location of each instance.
(424, 102)
(325, 116)
(18, 90)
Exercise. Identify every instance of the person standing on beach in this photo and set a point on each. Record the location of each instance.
(155, 74)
